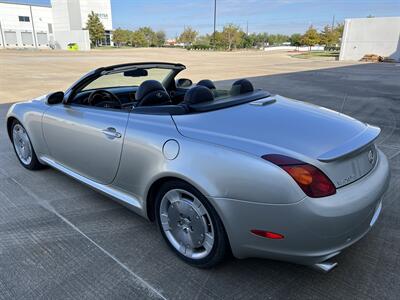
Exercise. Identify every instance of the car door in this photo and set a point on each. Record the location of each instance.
(86, 140)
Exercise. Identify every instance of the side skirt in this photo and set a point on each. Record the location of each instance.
(121, 197)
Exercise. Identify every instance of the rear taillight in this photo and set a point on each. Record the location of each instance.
(310, 179)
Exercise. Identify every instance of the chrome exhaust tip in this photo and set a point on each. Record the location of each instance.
(325, 267)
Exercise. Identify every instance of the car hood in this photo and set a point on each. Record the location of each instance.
(280, 125)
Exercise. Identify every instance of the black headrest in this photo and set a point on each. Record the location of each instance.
(146, 87)
(241, 86)
(152, 92)
(207, 83)
(198, 94)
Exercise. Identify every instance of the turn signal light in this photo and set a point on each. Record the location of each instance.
(267, 234)
(310, 179)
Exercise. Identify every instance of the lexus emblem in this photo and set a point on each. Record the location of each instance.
(371, 157)
(159, 95)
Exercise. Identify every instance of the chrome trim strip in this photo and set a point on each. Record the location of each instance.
(106, 189)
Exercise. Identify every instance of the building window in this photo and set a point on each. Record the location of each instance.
(23, 19)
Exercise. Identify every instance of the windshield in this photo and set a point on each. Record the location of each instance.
(130, 78)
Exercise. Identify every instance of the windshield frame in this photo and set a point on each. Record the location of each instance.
(95, 74)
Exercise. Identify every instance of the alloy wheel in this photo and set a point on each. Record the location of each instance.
(186, 224)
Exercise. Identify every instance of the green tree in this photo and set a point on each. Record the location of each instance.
(149, 36)
(329, 36)
(204, 40)
(249, 40)
(188, 36)
(219, 39)
(138, 39)
(96, 29)
(310, 37)
(278, 39)
(295, 39)
(232, 36)
(262, 39)
(160, 38)
(339, 29)
(121, 37)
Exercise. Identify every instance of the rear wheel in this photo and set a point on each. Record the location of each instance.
(190, 225)
(23, 147)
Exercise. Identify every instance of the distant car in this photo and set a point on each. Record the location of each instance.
(236, 170)
(72, 47)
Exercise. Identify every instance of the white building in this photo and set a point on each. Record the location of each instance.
(62, 23)
(380, 36)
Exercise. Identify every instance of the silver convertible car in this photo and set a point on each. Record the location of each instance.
(236, 171)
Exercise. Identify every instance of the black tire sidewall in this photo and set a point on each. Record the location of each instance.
(219, 250)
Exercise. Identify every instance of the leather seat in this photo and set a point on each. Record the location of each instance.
(152, 92)
(241, 86)
(198, 94)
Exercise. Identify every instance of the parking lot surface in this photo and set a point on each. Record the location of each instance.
(26, 74)
(60, 239)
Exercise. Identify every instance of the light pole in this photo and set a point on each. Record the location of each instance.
(215, 22)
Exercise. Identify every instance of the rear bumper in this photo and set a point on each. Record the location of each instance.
(314, 229)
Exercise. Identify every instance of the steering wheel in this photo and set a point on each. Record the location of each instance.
(104, 98)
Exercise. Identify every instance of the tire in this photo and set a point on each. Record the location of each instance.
(23, 147)
(190, 225)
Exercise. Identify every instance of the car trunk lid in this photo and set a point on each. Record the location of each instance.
(336, 143)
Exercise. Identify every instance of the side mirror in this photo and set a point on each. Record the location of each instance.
(184, 82)
(55, 98)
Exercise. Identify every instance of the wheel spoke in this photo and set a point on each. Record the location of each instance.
(188, 251)
(208, 242)
(182, 248)
(200, 207)
(23, 153)
(173, 196)
(165, 222)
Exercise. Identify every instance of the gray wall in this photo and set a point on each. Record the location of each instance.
(379, 36)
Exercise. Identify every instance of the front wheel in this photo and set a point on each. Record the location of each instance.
(190, 225)
(23, 147)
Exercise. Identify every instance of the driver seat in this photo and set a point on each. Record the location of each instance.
(152, 92)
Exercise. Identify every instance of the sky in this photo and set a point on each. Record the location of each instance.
(271, 16)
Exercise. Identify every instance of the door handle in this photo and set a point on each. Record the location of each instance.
(111, 133)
